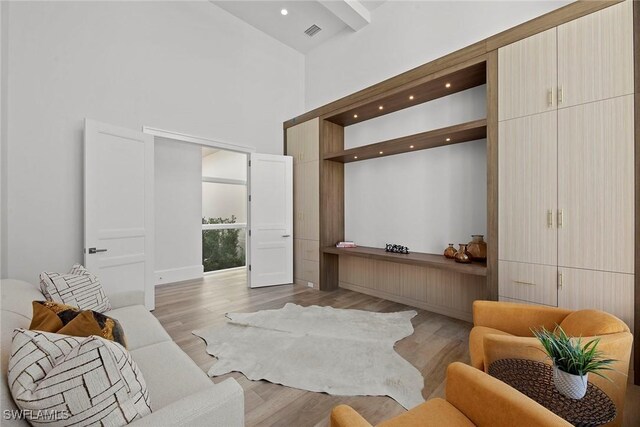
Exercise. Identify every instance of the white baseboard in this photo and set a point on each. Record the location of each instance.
(179, 274)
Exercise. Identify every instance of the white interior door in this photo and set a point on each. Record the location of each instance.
(271, 213)
(119, 208)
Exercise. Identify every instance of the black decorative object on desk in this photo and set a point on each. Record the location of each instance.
(397, 249)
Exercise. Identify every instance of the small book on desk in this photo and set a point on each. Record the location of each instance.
(346, 245)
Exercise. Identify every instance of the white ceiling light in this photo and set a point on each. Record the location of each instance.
(284, 12)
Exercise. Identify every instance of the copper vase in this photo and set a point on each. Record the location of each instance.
(450, 252)
(461, 255)
(477, 248)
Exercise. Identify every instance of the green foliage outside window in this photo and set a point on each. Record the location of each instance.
(222, 248)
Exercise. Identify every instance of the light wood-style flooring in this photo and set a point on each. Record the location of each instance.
(437, 341)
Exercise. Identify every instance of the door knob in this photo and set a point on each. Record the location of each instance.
(286, 235)
(95, 251)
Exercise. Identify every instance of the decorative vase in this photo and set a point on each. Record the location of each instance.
(461, 255)
(569, 385)
(450, 252)
(477, 248)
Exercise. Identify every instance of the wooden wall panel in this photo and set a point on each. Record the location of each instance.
(440, 291)
(595, 56)
(529, 282)
(331, 202)
(527, 76)
(528, 189)
(636, 54)
(610, 292)
(595, 186)
(492, 175)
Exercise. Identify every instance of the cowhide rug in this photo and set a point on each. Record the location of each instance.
(321, 349)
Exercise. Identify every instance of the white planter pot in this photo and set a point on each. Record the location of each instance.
(569, 385)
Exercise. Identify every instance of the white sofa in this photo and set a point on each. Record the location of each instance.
(181, 393)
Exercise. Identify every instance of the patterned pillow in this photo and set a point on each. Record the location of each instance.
(78, 288)
(51, 316)
(60, 380)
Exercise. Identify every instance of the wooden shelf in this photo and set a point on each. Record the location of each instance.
(429, 88)
(456, 134)
(414, 258)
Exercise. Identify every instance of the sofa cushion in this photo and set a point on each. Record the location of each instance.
(18, 295)
(140, 326)
(169, 372)
(589, 323)
(51, 316)
(78, 381)
(433, 413)
(78, 288)
(476, 344)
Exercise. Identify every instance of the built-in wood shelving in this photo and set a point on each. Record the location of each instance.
(414, 258)
(428, 88)
(456, 134)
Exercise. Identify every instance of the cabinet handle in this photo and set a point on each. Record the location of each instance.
(550, 218)
(518, 282)
(559, 281)
(550, 97)
(560, 95)
(560, 218)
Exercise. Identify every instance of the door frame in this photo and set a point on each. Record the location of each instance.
(221, 145)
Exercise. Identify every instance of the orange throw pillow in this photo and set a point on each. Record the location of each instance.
(50, 316)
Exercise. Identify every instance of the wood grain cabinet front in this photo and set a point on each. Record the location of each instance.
(528, 282)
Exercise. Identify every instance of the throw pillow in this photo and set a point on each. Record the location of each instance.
(50, 316)
(58, 380)
(78, 288)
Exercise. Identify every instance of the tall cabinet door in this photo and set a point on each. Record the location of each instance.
(595, 191)
(527, 164)
(303, 143)
(527, 76)
(595, 56)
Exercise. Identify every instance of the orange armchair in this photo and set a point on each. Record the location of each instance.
(473, 398)
(503, 330)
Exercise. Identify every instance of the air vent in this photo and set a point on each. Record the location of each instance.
(312, 30)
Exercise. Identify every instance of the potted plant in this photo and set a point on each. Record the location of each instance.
(572, 361)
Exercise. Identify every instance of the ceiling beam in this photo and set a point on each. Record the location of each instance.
(351, 12)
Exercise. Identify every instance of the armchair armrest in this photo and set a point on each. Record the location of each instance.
(516, 319)
(487, 401)
(125, 299)
(221, 405)
(346, 416)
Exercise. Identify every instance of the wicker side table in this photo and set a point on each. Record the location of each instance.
(535, 379)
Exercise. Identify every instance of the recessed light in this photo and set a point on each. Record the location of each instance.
(355, 116)
(411, 97)
(381, 152)
(448, 139)
(448, 85)
(284, 12)
(411, 146)
(380, 107)
(355, 157)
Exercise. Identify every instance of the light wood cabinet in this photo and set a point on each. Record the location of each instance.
(601, 290)
(595, 56)
(528, 282)
(527, 161)
(596, 185)
(303, 145)
(566, 168)
(527, 76)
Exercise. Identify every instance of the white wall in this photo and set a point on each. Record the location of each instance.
(181, 66)
(427, 199)
(178, 200)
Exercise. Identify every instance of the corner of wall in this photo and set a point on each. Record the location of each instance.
(4, 66)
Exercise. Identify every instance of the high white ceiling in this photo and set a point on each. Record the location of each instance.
(332, 16)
